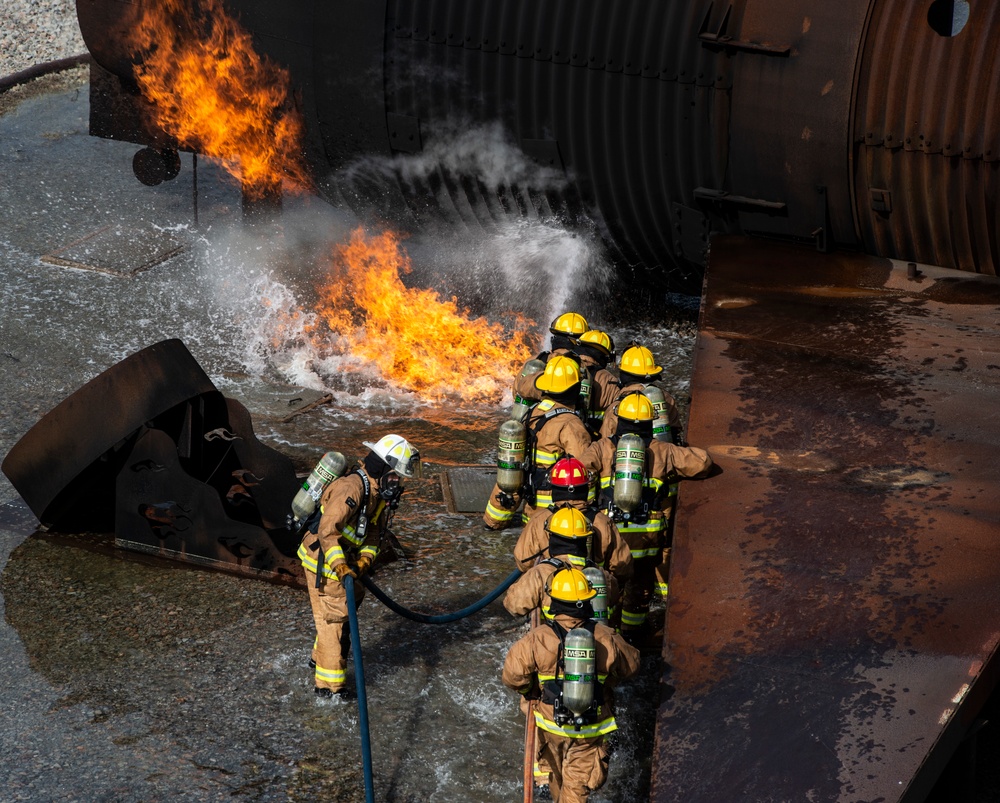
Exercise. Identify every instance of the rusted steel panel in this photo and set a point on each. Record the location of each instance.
(927, 129)
(151, 450)
(73, 453)
(832, 625)
(791, 117)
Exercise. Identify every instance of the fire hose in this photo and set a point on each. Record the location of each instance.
(442, 618)
(359, 669)
(359, 682)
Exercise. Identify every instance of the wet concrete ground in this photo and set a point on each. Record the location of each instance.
(130, 680)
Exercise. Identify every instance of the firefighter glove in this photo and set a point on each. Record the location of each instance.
(364, 563)
(343, 570)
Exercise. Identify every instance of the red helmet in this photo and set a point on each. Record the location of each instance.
(568, 473)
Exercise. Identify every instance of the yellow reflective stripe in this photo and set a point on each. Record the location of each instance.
(545, 405)
(571, 731)
(546, 459)
(335, 555)
(632, 618)
(371, 550)
(498, 513)
(605, 483)
(662, 589)
(309, 562)
(331, 675)
(543, 499)
(651, 526)
(351, 534)
(651, 552)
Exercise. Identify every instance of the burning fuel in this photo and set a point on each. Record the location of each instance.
(210, 91)
(417, 340)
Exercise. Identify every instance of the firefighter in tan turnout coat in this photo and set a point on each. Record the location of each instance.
(561, 668)
(347, 543)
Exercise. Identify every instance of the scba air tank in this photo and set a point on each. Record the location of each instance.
(661, 424)
(630, 465)
(510, 456)
(521, 406)
(330, 466)
(586, 388)
(579, 658)
(599, 583)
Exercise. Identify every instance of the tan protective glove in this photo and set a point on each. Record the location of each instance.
(364, 563)
(343, 570)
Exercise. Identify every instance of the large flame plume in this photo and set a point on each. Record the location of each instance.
(214, 94)
(417, 340)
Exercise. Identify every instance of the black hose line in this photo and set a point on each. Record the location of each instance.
(441, 618)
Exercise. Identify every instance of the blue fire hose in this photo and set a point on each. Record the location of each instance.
(359, 682)
(441, 618)
(359, 669)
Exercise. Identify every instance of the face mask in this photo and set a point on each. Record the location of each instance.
(390, 489)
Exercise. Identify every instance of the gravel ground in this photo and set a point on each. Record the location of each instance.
(36, 31)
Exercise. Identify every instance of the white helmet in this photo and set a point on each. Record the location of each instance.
(398, 454)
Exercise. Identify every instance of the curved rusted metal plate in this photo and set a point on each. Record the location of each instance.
(833, 616)
(928, 116)
(64, 466)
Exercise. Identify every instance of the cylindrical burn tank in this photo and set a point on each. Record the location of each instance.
(865, 124)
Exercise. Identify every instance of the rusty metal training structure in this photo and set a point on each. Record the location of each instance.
(152, 451)
(870, 125)
(831, 630)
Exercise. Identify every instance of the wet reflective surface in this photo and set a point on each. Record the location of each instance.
(833, 619)
(130, 679)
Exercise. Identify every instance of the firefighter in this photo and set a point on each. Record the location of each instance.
(561, 668)
(553, 429)
(355, 510)
(570, 486)
(646, 528)
(637, 370)
(596, 350)
(569, 545)
(564, 331)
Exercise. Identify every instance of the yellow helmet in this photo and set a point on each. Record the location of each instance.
(569, 523)
(560, 374)
(638, 360)
(600, 340)
(571, 324)
(570, 585)
(636, 407)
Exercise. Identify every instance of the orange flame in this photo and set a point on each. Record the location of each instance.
(214, 94)
(417, 339)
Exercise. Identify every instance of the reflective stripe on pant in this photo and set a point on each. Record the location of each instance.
(663, 574)
(333, 637)
(639, 592)
(579, 766)
(497, 516)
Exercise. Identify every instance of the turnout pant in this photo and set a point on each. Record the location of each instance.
(579, 766)
(333, 634)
